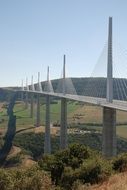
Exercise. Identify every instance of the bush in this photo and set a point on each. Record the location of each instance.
(38, 180)
(119, 163)
(94, 170)
(5, 180)
(25, 179)
(68, 178)
(90, 172)
(79, 151)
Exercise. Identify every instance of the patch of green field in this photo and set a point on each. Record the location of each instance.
(122, 131)
(23, 115)
(84, 115)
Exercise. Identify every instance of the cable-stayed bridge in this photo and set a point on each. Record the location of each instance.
(109, 93)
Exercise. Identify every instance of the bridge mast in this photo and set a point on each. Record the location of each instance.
(63, 127)
(109, 114)
(109, 65)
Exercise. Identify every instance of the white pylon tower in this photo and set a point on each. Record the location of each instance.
(109, 114)
(63, 125)
(39, 83)
(109, 65)
(64, 75)
(32, 84)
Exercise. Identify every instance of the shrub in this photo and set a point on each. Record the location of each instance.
(120, 163)
(68, 178)
(79, 151)
(94, 170)
(5, 180)
(37, 181)
(25, 179)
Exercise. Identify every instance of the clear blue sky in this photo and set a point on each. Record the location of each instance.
(36, 33)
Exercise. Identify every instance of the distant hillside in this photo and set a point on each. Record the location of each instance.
(84, 86)
(97, 87)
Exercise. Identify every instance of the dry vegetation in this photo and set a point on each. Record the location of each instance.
(116, 182)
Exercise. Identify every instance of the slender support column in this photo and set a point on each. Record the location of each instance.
(32, 105)
(47, 143)
(27, 88)
(109, 64)
(63, 127)
(22, 93)
(32, 98)
(26, 101)
(109, 132)
(38, 111)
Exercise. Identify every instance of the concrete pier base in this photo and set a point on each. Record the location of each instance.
(26, 101)
(38, 111)
(47, 142)
(22, 96)
(63, 127)
(109, 132)
(32, 106)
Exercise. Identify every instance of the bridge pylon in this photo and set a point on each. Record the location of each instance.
(39, 88)
(63, 125)
(109, 65)
(109, 114)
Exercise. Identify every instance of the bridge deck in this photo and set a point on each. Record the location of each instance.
(116, 104)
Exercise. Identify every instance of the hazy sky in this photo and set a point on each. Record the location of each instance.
(36, 33)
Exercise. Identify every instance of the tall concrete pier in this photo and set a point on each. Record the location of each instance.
(32, 105)
(38, 111)
(109, 114)
(38, 101)
(47, 142)
(32, 99)
(109, 132)
(63, 127)
(22, 93)
(26, 100)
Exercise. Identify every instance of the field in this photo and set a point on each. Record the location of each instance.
(78, 114)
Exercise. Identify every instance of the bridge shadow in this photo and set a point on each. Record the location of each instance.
(20, 117)
(20, 110)
(9, 136)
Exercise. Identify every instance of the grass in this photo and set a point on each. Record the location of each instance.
(122, 131)
(116, 182)
(88, 115)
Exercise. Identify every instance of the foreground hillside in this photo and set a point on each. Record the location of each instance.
(75, 168)
(115, 182)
